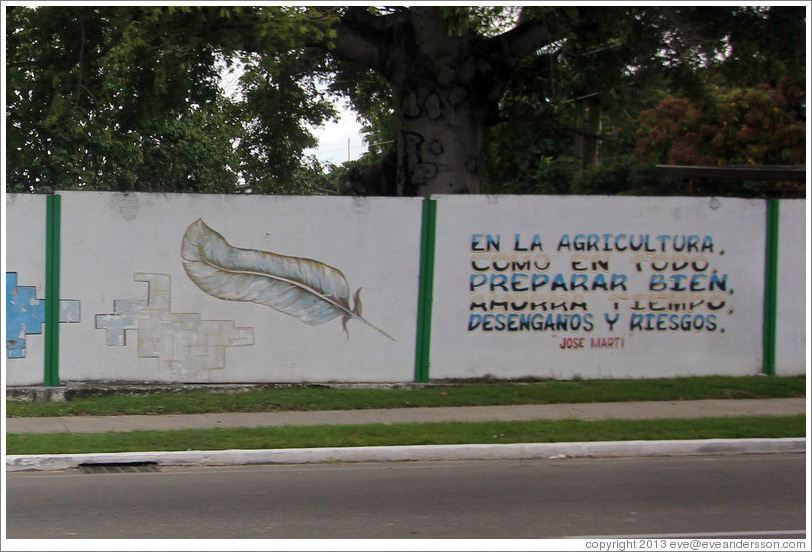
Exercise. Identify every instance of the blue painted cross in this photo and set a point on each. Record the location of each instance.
(25, 314)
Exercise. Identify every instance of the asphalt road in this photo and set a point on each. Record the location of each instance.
(712, 496)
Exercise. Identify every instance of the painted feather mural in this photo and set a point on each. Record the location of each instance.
(308, 290)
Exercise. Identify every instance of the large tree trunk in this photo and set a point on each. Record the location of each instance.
(447, 87)
(440, 131)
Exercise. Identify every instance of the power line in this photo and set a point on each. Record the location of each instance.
(357, 147)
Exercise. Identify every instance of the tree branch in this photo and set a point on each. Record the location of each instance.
(524, 39)
(393, 18)
(361, 36)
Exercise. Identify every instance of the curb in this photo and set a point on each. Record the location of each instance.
(515, 451)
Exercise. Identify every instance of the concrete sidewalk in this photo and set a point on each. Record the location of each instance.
(586, 411)
(514, 451)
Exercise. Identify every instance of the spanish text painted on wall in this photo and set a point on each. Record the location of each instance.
(593, 290)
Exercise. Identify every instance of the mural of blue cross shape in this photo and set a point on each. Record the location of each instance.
(25, 314)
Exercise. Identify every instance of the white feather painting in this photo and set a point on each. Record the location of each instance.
(309, 290)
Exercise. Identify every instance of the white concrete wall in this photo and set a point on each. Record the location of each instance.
(139, 317)
(724, 339)
(113, 243)
(793, 281)
(24, 244)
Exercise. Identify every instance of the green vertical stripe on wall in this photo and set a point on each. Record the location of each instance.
(771, 287)
(423, 346)
(52, 260)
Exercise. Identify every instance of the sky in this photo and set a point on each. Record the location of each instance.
(333, 145)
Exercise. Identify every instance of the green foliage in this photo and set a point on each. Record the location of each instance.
(89, 97)
(130, 97)
(760, 126)
(575, 114)
(624, 175)
(281, 100)
(763, 45)
(478, 20)
(741, 126)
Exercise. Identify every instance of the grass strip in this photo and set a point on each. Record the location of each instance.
(324, 398)
(539, 431)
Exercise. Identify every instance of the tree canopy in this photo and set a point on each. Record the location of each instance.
(469, 99)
